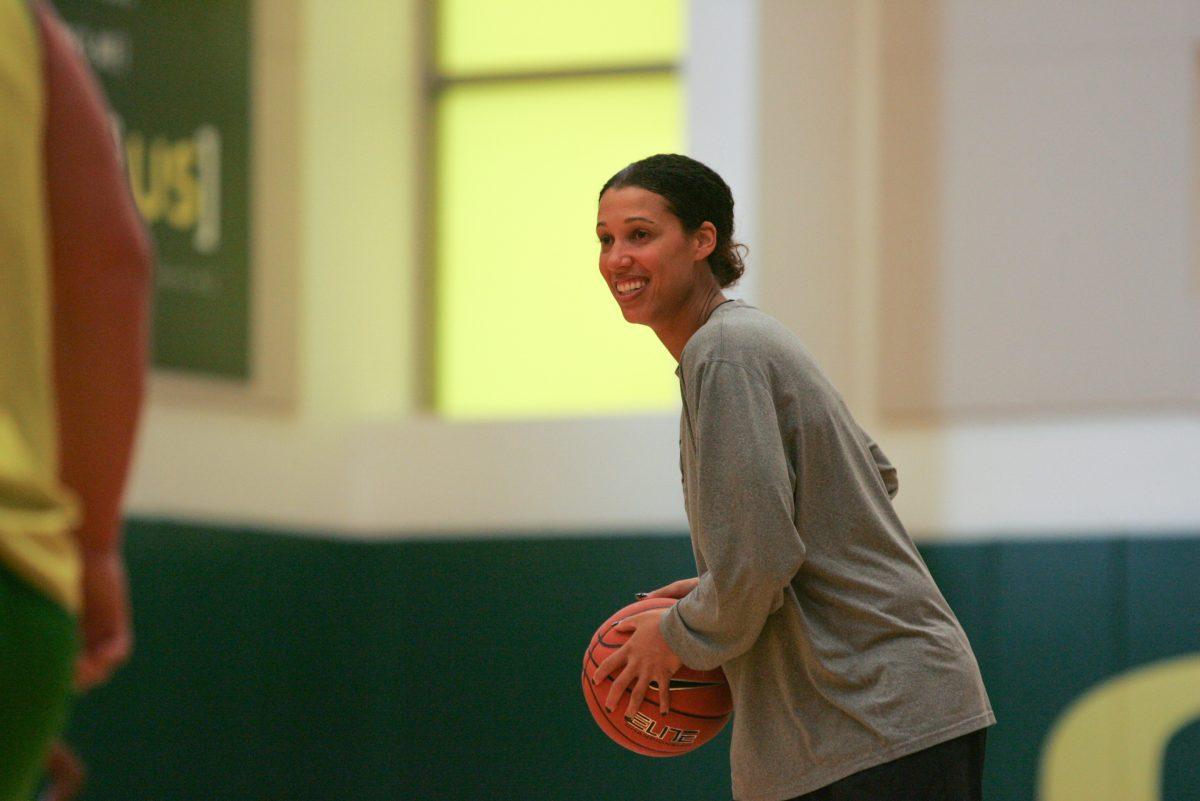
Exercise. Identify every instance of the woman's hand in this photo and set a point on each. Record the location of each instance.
(676, 589)
(645, 657)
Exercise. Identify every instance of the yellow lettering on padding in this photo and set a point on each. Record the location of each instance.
(1110, 744)
(182, 214)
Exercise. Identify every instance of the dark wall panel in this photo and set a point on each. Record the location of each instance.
(270, 666)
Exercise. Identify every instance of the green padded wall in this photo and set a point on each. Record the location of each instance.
(272, 666)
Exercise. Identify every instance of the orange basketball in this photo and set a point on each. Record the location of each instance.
(700, 700)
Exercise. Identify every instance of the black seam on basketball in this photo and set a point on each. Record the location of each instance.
(591, 654)
(675, 711)
(592, 651)
(692, 684)
(601, 641)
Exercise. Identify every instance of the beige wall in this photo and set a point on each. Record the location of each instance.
(981, 218)
(1068, 179)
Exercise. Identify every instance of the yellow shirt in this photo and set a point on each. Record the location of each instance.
(36, 511)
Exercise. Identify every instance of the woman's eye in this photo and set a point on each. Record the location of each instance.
(640, 234)
(606, 240)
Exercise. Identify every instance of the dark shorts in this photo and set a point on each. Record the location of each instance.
(37, 654)
(949, 771)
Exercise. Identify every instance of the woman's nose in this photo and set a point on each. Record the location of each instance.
(617, 258)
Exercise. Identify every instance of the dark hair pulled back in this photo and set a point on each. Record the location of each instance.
(695, 194)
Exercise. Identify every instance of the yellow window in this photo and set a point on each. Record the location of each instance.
(489, 36)
(525, 324)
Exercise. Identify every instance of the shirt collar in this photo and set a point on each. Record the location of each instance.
(732, 302)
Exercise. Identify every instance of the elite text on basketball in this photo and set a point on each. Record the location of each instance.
(647, 726)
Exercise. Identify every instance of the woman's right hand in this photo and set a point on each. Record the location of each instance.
(676, 589)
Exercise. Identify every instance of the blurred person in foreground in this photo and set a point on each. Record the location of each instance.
(75, 264)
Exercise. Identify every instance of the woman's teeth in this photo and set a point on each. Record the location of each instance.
(625, 287)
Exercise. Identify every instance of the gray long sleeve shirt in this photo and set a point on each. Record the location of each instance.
(840, 651)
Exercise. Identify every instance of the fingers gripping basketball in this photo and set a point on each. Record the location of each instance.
(700, 703)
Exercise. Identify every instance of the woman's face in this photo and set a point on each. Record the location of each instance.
(646, 258)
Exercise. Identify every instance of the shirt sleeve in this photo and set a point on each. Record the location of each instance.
(741, 509)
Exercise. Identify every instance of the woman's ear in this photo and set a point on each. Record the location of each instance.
(706, 240)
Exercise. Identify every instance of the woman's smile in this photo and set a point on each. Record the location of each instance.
(629, 288)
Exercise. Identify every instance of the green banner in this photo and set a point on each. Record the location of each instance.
(178, 78)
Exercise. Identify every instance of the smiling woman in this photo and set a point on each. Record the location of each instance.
(846, 666)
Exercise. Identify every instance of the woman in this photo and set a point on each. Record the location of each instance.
(851, 677)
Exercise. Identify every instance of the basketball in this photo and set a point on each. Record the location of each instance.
(700, 700)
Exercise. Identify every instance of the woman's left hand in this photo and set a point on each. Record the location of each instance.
(645, 657)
